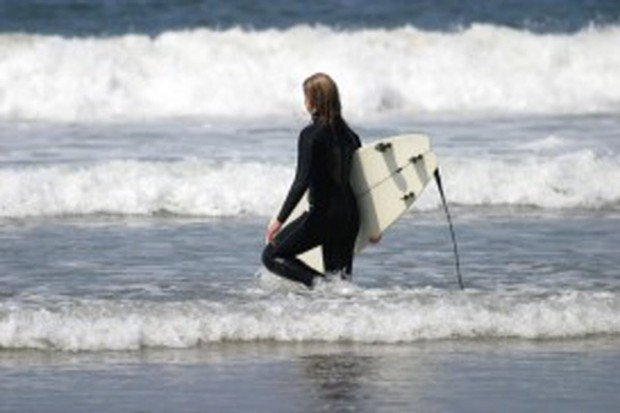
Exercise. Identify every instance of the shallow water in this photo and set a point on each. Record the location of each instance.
(431, 376)
(113, 283)
(121, 239)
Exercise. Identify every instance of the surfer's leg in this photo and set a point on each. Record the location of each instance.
(348, 251)
(349, 244)
(340, 244)
(279, 256)
(338, 255)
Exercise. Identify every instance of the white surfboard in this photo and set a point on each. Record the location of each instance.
(387, 177)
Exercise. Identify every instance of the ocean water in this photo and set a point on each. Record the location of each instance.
(145, 145)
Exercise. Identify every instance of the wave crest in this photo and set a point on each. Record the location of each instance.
(240, 73)
(580, 179)
(373, 316)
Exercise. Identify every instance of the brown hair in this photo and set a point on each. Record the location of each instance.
(322, 92)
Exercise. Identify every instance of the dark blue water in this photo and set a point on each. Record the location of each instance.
(110, 17)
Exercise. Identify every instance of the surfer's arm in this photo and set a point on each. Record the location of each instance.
(302, 176)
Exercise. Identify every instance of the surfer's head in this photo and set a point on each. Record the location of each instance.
(322, 98)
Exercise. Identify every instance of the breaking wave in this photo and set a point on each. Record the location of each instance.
(580, 179)
(369, 316)
(237, 73)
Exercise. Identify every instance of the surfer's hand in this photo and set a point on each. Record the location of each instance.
(272, 230)
(374, 239)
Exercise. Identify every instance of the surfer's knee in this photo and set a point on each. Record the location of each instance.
(268, 256)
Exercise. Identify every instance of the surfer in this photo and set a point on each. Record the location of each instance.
(325, 152)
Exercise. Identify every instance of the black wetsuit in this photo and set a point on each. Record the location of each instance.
(323, 167)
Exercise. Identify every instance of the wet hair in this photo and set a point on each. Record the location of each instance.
(322, 92)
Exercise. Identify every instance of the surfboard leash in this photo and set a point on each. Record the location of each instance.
(449, 218)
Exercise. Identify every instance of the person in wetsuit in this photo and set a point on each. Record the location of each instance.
(325, 153)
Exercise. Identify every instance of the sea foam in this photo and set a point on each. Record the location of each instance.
(368, 316)
(238, 73)
(579, 179)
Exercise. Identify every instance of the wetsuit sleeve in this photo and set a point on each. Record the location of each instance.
(302, 177)
(356, 140)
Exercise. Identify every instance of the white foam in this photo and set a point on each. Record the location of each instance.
(369, 316)
(242, 73)
(143, 188)
(580, 179)
(549, 143)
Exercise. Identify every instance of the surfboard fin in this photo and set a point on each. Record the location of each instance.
(383, 146)
(454, 244)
